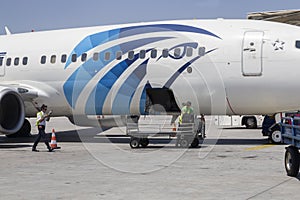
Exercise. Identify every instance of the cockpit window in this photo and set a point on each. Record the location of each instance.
(298, 44)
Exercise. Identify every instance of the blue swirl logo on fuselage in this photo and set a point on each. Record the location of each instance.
(87, 71)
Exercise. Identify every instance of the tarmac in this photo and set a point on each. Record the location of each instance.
(232, 163)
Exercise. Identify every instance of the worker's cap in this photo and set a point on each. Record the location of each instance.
(188, 103)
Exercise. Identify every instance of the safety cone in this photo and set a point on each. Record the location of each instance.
(174, 127)
(53, 143)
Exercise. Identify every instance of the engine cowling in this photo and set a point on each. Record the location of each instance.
(12, 111)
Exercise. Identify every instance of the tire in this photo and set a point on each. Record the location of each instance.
(144, 142)
(195, 143)
(250, 123)
(134, 143)
(275, 136)
(291, 161)
(184, 143)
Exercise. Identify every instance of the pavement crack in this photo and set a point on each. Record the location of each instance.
(264, 191)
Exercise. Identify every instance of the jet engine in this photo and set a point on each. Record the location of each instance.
(12, 111)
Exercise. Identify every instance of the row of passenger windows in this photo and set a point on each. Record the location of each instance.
(16, 61)
(176, 53)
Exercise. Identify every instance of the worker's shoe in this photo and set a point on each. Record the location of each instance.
(35, 150)
(51, 150)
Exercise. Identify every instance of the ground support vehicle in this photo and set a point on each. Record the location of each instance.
(186, 134)
(290, 129)
(271, 129)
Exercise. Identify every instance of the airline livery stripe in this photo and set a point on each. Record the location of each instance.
(100, 92)
(88, 70)
(122, 101)
(97, 39)
(181, 69)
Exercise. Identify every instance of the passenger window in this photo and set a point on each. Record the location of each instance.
(8, 61)
(142, 54)
(119, 55)
(43, 59)
(298, 44)
(189, 52)
(96, 56)
(74, 57)
(1, 61)
(177, 52)
(131, 55)
(83, 57)
(63, 58)
(165, 53)
(25, 61)
(107, 56)
(201, 51)
(53, 59)
(153, 53)
(16, 61)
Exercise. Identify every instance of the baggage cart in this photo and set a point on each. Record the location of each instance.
(290, 129)
(186, 134)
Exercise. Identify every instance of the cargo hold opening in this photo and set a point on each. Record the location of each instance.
(161, 100)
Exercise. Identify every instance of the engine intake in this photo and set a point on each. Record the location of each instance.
(12, 111)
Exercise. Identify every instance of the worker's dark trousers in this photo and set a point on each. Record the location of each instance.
(42, 135)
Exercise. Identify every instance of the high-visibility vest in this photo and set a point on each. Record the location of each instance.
(39, 116)
(185, 110)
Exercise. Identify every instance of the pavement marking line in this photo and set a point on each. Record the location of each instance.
(260, 147)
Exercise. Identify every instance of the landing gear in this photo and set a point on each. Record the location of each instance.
(23, 132)
(292, 157)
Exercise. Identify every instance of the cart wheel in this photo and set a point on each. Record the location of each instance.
(195, 143)
(134, 143)
(144, 142)
(184, 143)
(292, 161)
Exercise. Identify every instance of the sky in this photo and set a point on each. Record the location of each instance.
(38, 15)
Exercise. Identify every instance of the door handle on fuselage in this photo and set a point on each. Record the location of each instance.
(250, 49)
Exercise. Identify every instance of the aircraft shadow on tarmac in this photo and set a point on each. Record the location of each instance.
(240, 128)
(91, 135)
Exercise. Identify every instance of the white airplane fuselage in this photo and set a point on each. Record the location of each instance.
(221, 66)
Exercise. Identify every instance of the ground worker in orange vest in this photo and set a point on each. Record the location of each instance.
(42, 117)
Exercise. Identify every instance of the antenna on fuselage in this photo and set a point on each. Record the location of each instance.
(7, 31)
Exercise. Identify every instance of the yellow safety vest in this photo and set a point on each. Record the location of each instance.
(39, 116)
(185, 110)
